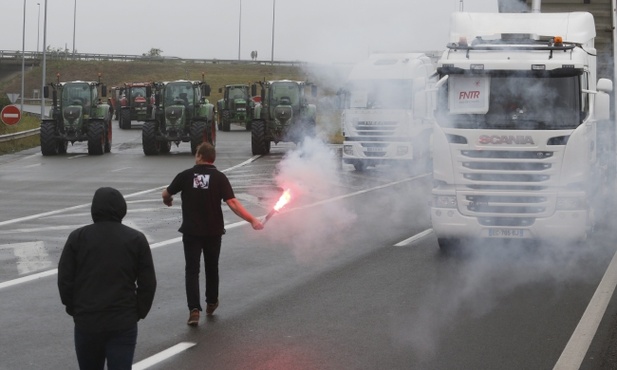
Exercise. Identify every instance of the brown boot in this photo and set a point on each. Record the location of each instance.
(210, 307)
(193, 317)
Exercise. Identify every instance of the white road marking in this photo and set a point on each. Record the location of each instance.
(414, 238)
(574, 353)
(25, 279)
(161, 356)
(31, 256)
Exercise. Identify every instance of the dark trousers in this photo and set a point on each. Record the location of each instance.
(193, 248)
(117, 347)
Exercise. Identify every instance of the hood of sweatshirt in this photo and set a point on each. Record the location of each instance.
(108, 204)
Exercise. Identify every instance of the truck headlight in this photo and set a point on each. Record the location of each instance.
(444, 201)
(347, 149)
(571, 203)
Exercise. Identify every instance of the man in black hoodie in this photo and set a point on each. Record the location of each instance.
(107, 281)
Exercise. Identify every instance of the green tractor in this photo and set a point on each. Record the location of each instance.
(236, 106)
(282, 114)
(77, 114)
(181, 113)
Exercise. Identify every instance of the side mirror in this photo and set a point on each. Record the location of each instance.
(104, 91)
(420, 105)
(206, 90)
(220, 90)
(314, 91)
(605, 85)
(253, 90)
(46, 91)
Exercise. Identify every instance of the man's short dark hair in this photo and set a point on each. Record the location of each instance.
(207, 152)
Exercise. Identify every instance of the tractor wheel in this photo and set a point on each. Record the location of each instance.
(62, 146)
(197, 135)
(260, 144)
(148, 139)
(108, 137)
(165, 146)
(125, 119)
(226, 125)
(49, 145)
(96, 138)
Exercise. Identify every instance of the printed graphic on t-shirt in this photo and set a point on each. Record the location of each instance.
(201, 181)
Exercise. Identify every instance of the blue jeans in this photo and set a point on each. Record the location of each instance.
(117, 347)
(193, 248)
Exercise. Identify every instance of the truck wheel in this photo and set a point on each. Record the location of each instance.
(148, 139)
(96, 138)
(197, 135)
(49, 145)
(448, 246)
(226, 125)
(260, 145)
(125, 119)
(359, 166)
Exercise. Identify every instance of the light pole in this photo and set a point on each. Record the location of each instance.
(74, 26)
(273, 17)
(44, 61)
(240, 30)
(38, 28)
(23, 58)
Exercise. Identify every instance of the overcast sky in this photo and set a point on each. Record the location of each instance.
(322, 31)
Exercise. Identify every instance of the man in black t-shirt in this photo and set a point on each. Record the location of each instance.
(202, 189)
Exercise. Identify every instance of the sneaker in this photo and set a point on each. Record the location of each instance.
(210, 307)
(193, 317)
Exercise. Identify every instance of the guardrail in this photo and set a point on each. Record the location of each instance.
(19, 135)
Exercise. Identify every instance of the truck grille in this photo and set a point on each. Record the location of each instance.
(508, 175)
(376, 128)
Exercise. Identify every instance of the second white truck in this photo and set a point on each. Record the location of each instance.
(386, 114)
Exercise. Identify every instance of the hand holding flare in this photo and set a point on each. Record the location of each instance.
(283, 200)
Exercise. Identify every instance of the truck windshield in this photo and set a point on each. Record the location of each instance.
(515, 102)
(380, 94)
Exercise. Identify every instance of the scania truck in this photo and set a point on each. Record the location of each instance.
(519, 117)
(386, 117)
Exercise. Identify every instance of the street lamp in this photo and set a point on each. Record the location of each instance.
(38, 28)
(240, 30)
(44, 61)
(273, 16)
(23, 58)
(74, 26)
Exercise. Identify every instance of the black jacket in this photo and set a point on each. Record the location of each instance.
(106, 274)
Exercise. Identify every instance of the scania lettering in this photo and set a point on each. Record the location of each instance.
(386, 116)
(518, 119)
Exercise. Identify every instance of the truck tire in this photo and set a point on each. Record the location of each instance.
(96, 138)
(197, 135)
(125, 119)
(148, 139)
(449, 246)
(49, 145)
(226, 124)
(359, 165)
(260, 144)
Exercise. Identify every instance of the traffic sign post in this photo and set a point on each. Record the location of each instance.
(10, 115)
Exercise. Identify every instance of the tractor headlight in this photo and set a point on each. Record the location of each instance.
(444, 201)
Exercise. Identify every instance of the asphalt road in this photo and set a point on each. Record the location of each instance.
(348, 276)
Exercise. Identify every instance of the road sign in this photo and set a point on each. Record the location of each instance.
(10, 115)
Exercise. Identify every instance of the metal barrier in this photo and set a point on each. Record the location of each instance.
(19, 135)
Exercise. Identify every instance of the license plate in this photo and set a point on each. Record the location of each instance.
(506, 233)
(375, 149)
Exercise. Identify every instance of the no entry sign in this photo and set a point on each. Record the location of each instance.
(10, 115)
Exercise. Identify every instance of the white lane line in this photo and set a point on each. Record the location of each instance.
(162, 356)
(160, 188)
(574, 353)
(412, 239)
(24, 279)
